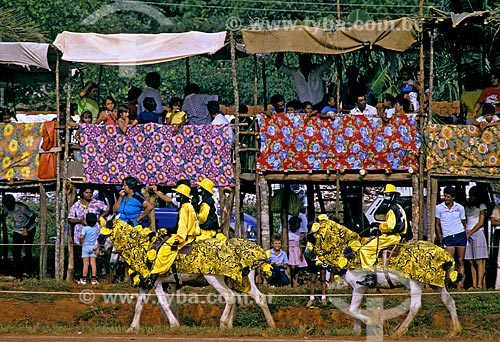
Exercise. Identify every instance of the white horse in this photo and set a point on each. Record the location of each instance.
(133, 245)
(353, 279)
(418, 264)
(166, 301)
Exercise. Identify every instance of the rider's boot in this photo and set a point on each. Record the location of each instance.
(370, 280)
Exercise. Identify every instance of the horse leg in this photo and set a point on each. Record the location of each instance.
(164, 301)
(355, 308)
(450, 305)
(135, 325)
(260, 299)
(415, 305)
(226, 320)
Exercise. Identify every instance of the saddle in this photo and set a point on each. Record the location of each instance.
(385, 254)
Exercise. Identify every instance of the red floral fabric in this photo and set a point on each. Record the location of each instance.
(291, 142)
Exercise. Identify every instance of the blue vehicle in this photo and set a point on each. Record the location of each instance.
(167, 218)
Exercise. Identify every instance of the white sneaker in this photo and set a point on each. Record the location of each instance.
(82, 281)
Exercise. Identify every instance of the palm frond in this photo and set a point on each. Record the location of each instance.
(16, 27)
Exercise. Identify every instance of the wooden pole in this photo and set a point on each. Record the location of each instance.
(265, 218)
(264, 83)
(43, 233)
(59, 248)
(337, 198)
(431, 73)
(416, 206)
(434, 193)
(428, 204)
(5, 237)
(188, 71)
(239, 229)
(64, 175)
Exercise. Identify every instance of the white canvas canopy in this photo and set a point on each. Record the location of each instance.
(136, 49)
(24, 54)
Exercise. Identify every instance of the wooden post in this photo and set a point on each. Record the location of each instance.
(63, 214)
(311, 212)
(428, 204)
(151, 198)
(239, 229)
(266, 214)
(59, 248)
(337, 198)
(433, 194)
(416, 207)
(259, 209)
(226, 199)
(43, 233)
(5, 238)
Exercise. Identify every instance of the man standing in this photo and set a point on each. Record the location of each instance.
(394, 227)
(450, 228)
(308, 77)
(153, 82)
(24, 233)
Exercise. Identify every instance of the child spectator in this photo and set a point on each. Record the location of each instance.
(108, 115)
(330, 106)
(123, 118)
(296, 233)
(88, 237)
(278, 260)
(132, 95)
(278, 103)
(175, 116)
(488, 119)
(148, 115)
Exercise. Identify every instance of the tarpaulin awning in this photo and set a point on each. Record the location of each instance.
(397, 35)
(136, 49)
(24, 54)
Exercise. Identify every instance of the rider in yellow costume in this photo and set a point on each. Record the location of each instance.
(187, 230)
(207, 215)
(392, 229)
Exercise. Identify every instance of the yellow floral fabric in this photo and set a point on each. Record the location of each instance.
(19, 144)
(421, 261)
(462, 150)
(212, 256)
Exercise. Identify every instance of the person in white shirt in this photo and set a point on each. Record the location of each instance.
(476, 251)
(308, 77)
(363, 108)
(488, 119)
(218, 118)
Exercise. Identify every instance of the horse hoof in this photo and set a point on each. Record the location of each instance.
(133, 330)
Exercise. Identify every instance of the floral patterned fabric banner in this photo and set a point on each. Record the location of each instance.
(463, 150)
(291, 142)
(19, 145)
(154, 154)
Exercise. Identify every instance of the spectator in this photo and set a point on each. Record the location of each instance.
(495, 222)
(278, 105)
(489, 95)
(308, 109)
(175, 116)
(330, 107)
(450, 228)
(468, 99)
(350, 90)
(123, 118)
(294, 106)
(488, 119)
(86, 204)
(407, 83)
(108, 116)
(131, 205)
(88, 100)
(218, 118)
(149, 115)
(363, 108)
(195, 105)
(153, 82)
(297, 231)
(387, 109)
(476, 251)
(278, 260)
(132, 96)
(88, 238)
(308, 77)
(24, 234)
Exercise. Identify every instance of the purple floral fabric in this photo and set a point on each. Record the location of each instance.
(155, 155)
